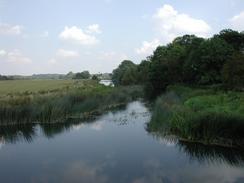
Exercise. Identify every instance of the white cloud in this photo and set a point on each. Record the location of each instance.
(6, 29)
(171, 24)
(52, 61)
(3, 53)
(94, 28)
(14, 56)
(67, 54)
(147, 48)
(62, 55)
(237, 22)
(107, 61)
(112, 56)
(77, 35)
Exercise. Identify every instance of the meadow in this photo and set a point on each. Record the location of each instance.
(209, 116)
(58, 101)
(21, 86)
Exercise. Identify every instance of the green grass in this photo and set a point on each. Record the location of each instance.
(21, 86)
(208, 116)
(64, 100)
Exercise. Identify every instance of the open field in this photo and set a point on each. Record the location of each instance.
(21, 86)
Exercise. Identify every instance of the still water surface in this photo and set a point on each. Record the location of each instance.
(115, 148)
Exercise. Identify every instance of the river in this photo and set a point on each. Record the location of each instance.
(115, 148)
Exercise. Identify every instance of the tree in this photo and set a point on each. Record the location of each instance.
(124, 74)
(142, 72)
(206, 62)
(4, 77)
(234, 38)
(82, 75)
(189, 68)
(70, 75)
(94, 77)
(233, 72)
(165, 67)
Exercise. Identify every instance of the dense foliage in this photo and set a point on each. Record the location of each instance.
(190, 60)
(82, 75)
(202, 115)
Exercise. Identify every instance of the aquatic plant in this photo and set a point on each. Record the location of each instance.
(211, 117)
(79, 101)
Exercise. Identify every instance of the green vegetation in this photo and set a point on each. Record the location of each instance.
(205, 115)
(81, 99)
(125, 74)
(82, 75)
(189, 60)
(5, 77)
(213, 114)
(35, 86)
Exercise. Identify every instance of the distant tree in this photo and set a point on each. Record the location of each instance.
(233, 72)
(69, 75)
(129, 77)
(94, 77)
(6, 77)
(82, 75)
(124, 75)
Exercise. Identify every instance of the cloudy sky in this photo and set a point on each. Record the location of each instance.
(58, 36)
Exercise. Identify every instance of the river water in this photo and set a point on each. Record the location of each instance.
(115, 148)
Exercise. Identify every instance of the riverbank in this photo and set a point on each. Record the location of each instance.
(80, 99)
(207, 116)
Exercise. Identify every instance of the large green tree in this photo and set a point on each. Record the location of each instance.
(234, 38)
(206, 62)
(124, 74)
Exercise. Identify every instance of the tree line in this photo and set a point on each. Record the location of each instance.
(2, 77)
(189, 60)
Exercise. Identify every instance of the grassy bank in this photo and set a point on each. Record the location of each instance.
(57, 102)
(208, 116)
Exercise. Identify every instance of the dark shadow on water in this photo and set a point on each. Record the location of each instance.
(27, 132)
(212, 154)
(202, 153)
(195, 151)
(15, 133)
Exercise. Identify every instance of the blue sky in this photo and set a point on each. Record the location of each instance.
(58, 36)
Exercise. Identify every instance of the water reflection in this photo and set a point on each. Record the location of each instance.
(15, 133)
(113, 148)
(28, 132)
(212, 154)
(204, 153)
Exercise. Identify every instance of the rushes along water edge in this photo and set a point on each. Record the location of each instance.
(82, 102)
(205, 116)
